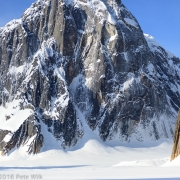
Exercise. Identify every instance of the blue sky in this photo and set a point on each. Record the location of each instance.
(159, 18)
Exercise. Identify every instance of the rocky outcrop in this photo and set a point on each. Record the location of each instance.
(63, 57)
(176, 145)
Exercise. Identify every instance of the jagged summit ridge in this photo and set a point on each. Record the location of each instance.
(68, 61)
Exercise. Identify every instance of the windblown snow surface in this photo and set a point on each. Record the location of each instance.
(94, 159)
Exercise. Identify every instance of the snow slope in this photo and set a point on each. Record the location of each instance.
(155, 46)
(11, 118)
(95, 160)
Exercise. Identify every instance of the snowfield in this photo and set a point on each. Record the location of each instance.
(92, 159)
(96, 160)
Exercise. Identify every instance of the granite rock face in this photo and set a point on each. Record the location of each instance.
(176, 145)
(64, 58)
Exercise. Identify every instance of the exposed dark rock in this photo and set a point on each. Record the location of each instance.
(30, 128)
(176, 145)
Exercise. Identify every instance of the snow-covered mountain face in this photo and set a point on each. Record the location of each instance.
(68, 64)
